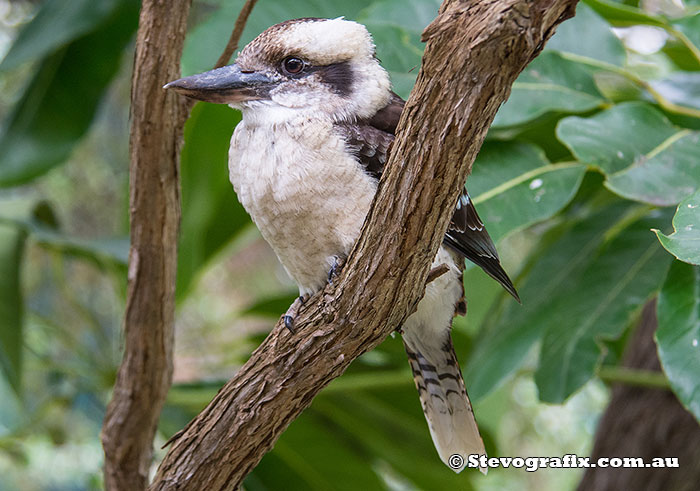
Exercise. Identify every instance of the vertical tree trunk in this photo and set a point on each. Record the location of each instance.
(157, 120)
(647, 423)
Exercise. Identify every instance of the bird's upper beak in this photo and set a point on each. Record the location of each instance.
(224, 85)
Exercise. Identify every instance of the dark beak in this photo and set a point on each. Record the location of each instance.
(224, 85)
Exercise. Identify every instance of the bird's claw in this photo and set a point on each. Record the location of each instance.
(338, 263)
(292, 311)
(289, 323)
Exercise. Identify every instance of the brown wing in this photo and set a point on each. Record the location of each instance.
(468, 236)
(370, 140)
(370, 145)
(387, 118)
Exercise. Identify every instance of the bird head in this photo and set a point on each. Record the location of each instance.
(299, 67)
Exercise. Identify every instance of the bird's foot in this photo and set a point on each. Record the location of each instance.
(292, 312)
(338, 263)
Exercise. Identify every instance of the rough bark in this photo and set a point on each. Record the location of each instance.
(474, 52)
(647, 423)
(157, 119)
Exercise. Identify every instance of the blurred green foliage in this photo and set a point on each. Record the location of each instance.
(596, 146)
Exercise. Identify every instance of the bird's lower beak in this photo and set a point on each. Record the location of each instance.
(224, 85)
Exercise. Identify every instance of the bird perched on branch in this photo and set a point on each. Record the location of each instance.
(319, 118)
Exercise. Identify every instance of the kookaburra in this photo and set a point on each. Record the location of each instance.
(319, 118)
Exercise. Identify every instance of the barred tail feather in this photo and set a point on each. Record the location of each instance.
(444, 399)
(426, 337)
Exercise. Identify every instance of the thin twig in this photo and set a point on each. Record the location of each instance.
(436, 272)
(634, 376)
(232, 45)
(235, 38)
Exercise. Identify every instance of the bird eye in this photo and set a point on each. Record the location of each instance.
(293, 65)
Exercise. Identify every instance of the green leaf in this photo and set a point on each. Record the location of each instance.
(400, 52)
(513, 186)
(411, 15)
(613, 140)
(681, 88)
(688, 32)
(598, 303)
(601, 44)
(684, 52)
(684, 242)
(678, 334)
(680, 55)
(396, 27)
(37, 220)
(622, 14)
(664, 176)
(14, 417)
(618, 87)
(211, 214)
(551, 83)
(12, 241)
(331, 462)
(57, 23)
(389, 424)
(105, 251)
(58, 106)
(502, 346)
(645, 157)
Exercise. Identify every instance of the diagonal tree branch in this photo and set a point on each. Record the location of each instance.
(474, 52)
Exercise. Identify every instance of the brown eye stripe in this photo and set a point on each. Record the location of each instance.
(339, 76)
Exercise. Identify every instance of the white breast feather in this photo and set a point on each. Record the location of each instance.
(306, 194)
